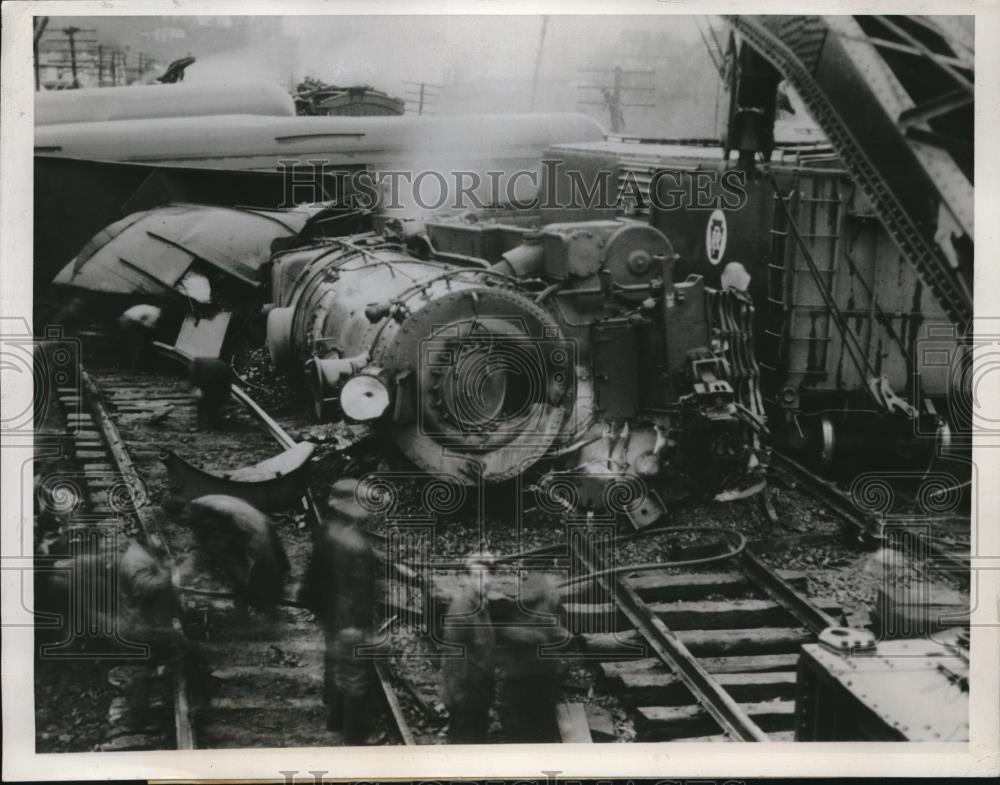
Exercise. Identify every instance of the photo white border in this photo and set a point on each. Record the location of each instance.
(664, 760)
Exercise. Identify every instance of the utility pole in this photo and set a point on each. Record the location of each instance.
(71, 33)
(423, 94)
(612, 94)
(100, 66)
(538, 63)
(39, 23)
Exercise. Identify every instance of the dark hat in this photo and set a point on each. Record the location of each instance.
(343, 500)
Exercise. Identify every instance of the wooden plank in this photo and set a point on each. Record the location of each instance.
(665, 689)
(292, 681)
(664, 586)
(705, 643)
(116, 394)
(671, 722)
(573, 725)
(657, 586)
(730, 614)
(700, 614)
(751, 664)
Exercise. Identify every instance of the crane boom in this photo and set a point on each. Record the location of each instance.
(895, 97)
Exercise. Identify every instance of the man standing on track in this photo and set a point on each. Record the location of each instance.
(528, 631)
(339, 588)
(467, 676)
(214, 379)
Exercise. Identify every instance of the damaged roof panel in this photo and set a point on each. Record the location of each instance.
(150, 251)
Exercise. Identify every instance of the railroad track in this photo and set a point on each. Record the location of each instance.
(705, 655)
(687, 655)
(115, 506)
(233, 681)
(945, 555)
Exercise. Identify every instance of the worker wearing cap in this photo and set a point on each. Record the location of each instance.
(528, 631)
(138, 325)
(339, 588)
(241, 541)
(467, 664)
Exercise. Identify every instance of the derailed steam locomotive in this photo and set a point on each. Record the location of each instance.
(485, 349)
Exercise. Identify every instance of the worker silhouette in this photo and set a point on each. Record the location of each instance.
(339, 588)
(468, 676)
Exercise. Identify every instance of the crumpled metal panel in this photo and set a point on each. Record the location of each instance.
(149, 252)
(276, 483)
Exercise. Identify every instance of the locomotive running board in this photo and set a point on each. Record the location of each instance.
(277, 483)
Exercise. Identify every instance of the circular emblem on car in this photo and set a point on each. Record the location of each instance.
(715, 237)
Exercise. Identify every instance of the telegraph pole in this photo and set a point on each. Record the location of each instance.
(612, 94)
(39, 23)
(538, 63)
(423, 95)
(71, 33)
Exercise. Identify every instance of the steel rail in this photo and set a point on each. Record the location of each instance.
(674, 654)
(824, 490)
(382, 671)
(869, 525)
(782, 592)
(183, 727)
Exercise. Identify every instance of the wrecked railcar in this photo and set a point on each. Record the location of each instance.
(201, 264)
(483, 350)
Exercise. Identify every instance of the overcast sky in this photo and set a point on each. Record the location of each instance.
(385, 50)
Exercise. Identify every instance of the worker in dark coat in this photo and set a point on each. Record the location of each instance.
(138, 326)
(528, 630)
(119, 603)
(467, 674)
(240, 540)
(214, 379)
(147, 596)
(339, 588)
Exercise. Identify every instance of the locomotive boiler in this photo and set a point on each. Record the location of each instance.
(468, 374)
(484, 349)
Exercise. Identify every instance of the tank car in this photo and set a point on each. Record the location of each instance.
(486, 349)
